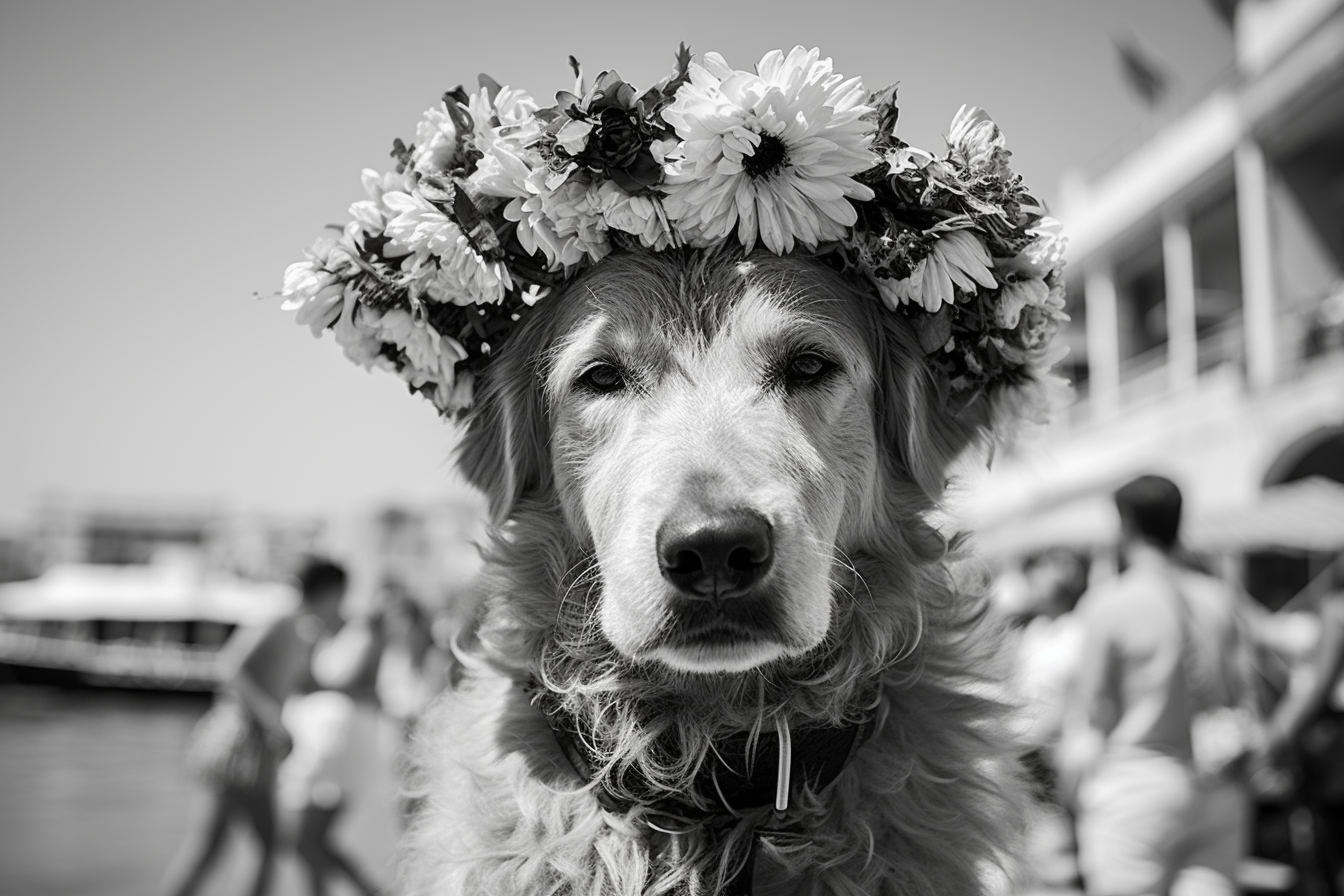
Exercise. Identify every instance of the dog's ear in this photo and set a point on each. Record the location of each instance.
(926, 430)
(504, 451)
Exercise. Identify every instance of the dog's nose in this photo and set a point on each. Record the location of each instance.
(714, 555)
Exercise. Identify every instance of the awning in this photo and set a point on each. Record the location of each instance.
(1083, 524)
(1306, 515)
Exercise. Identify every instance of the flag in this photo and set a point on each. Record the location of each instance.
(1143, 73)
(1225, 9)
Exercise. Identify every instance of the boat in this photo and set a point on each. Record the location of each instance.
(159, 626)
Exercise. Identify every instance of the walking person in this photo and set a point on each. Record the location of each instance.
(320, 776)
(1163, 717)
(237, 746)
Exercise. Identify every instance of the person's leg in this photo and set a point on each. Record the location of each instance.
(310, 843)
(198, 853)
(321, 851)
(259, 807)
(1130, 825)
(1219, 833)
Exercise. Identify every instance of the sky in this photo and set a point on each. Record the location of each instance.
(163, 161)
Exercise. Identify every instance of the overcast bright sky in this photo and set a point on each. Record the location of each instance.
(164, 160)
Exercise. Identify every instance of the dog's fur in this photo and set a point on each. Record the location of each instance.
(861, 611)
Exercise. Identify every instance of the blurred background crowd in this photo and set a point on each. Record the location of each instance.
(177, 453)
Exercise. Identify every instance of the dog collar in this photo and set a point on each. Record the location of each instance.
(743, 773)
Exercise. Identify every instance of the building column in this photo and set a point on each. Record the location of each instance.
(1178, 265)
(1103, 341)
(1257, 264)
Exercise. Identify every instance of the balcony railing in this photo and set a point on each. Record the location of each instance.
(1303, 336)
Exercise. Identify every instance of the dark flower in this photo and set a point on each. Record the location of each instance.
(618, 145)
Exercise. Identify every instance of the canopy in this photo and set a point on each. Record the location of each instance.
(1083, 524)
(1306, 515)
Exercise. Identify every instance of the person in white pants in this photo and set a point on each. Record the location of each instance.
(1161, 808)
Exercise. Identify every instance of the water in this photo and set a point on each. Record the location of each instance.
(94, 800)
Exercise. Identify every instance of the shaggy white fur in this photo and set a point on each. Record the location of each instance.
(930, 804)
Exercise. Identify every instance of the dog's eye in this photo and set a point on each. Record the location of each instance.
(807, 368)
(602, 379)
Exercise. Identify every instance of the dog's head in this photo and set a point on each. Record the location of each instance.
(720, 432)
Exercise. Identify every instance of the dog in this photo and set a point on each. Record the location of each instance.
(723, 648)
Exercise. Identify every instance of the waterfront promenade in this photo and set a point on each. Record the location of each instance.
(95, 801)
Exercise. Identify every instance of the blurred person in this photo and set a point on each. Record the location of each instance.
(1051, 641)
(328, 762)
(1163, 717)
(1049, 648)
(236, 748)
(415, 666)
(1305, 733)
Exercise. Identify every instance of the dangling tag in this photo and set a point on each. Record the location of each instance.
(785, 764)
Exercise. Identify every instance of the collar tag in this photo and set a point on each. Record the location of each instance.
(785, 764)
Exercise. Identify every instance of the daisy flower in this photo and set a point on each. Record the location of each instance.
(316, 288)
(773, 153)
(956, 260)
(437, 148)
(427, 356)
(358, 339)
(564, 224)
(462, 276)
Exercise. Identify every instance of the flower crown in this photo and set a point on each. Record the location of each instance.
(499, 201)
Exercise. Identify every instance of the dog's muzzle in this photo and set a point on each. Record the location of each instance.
(714, 555)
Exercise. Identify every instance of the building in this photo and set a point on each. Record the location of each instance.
(1206, 283)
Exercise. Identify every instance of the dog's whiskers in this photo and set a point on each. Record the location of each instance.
(848, 563)
(588, 568)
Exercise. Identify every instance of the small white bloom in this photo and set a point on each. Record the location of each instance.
(316, 288)
(1046, 250)
(458, 273)
(977, 139)
(1023, 276)
(465, 278)
(636, 215)
(375, 184)
(664, 151)
(417, 225)
(1020, 289)
(573, 135)
(358, 339)
(368, 215)
(512, 107)
(564, 224)
(436, 142)
(428, 357)
(907, 158)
